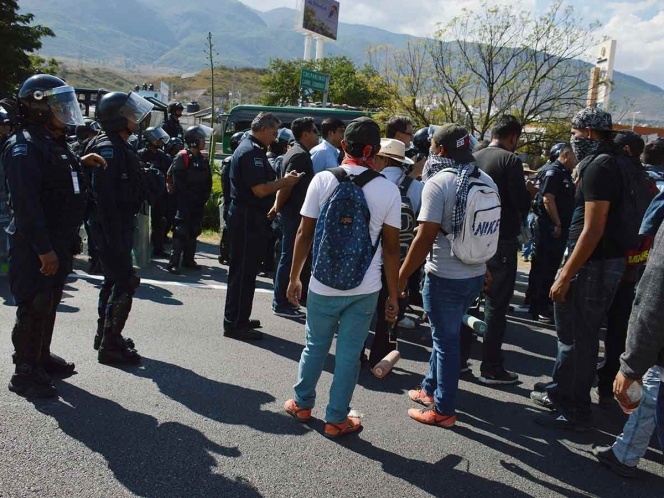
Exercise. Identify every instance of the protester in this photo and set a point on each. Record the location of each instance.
(344, 284)
(451, 285)
(253, 189)
(325, 155)
(506, 170)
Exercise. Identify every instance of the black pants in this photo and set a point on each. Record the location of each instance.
(248, 236)
(616, 335)
(547, 257)
(382, 342)
(159, 224)
(503, 276)
(185, 234)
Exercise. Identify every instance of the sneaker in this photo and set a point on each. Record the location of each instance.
(558, 420)
(173, 270)
(301, 414)
(465, 368)
(242, 334)
(500, 378)
(542, 399)
(540, 387)
(431, 416)
(419, 396)
(608, 458)
(334, 431)
(407, 323)
(546, 319)
(289, 312)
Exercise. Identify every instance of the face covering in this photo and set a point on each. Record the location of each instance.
(584, 147)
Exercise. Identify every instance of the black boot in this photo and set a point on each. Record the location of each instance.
(52, 363)
(32, 381)
(189, 254)
(114, 348)
(176, 255)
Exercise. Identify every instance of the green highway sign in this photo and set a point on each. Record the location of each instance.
(314, 80)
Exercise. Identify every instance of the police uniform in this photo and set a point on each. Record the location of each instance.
(224, 207)
(173, 127)
(549, 251)
(48, 196)
(248, 228)
(159, 215)
(192, 181)
(117, 196)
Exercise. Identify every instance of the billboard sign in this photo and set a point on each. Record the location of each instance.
(604, 65)
(314, 80)
(321, 17)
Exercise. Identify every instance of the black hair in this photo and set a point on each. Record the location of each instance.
(653, 152)
(506, 126)
(330, 125)
(397, 124)
(300, 125)
(565, 148)
(357, 150)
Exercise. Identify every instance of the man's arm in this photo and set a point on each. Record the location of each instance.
(391, 259)
(264, 189)
(303, 241)
(427, 232)
(551, 208)
(594, 223)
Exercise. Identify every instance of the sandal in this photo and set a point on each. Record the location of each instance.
(350, 425)
(301, 414)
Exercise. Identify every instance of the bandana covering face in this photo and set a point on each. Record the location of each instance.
(584, 147)
(434, 164)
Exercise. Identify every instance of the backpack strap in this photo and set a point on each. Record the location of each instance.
(185, 157)
(404, 185)
(365, 177)
(339, 173)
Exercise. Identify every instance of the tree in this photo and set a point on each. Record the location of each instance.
(362, 87)
(18, 39)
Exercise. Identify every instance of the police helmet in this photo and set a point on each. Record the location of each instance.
(89, 126)
(236, 139)
(194, 135)
(43, 97)
(4, 117)
(555, 151)
(174, 145)
(115, 109)
(285, 135)
(156, 136)
(422, 141)
(174, 106)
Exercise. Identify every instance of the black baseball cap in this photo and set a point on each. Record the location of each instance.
(362, 130)
(456, 141)
(628, 137)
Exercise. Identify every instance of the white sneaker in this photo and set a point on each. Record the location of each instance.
(407, 323)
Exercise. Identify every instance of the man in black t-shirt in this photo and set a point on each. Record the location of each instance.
(554, 206)
(287, 206)
(506, 170)
(585, 287)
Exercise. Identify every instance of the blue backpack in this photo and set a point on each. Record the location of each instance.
(342, 245)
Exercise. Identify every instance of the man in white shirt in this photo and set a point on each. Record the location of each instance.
(345, 312)
(326, 154)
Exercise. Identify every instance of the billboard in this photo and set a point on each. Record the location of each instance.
(604, 65)
(321, 17)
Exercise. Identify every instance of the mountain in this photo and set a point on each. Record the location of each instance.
(169, 36)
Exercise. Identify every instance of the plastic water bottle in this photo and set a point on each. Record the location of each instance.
(634, 393)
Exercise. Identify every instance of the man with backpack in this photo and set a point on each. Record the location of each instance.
(390, 162)
(458, 233)
(192, 185)
(352, 215)
(587, 283)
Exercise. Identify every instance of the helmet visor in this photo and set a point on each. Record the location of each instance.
(206, 130)
(158, 135)
(64, 105)
(136, 108)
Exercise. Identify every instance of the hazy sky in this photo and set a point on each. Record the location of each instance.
(638, 26)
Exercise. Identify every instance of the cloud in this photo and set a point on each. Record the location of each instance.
(638, 26)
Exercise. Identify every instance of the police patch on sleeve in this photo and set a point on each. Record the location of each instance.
(550, 173)
(106, 153)
(258, 162)
(20, 150)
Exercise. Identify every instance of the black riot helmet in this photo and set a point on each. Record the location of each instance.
(43, 97)
(117, 109)
(422, 141)
(236, 139)
(194, 135)
(156, 136)
(89, 127)
(554, 153)
(174, 146)
(175, 106)
(4, 117)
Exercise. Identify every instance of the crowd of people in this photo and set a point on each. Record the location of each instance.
(369, 225)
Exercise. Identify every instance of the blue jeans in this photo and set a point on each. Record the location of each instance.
(349, 317)
(633, 443)
(445, 301)
(289, 226)
(578, 321)
(659, 415)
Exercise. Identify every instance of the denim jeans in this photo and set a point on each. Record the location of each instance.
(503, 273)
(578, 321)
(445, 301)
(289, 226)
(633, 443)
(349, 317)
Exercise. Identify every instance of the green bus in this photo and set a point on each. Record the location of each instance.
(241, 116)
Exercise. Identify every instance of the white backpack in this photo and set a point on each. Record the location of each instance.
(478, 240)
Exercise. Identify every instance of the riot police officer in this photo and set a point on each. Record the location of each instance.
(192, 185)
(253, 189)
(48, 196)
(155, 140)
(172, 125)
(117, 195)
(225, 199)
